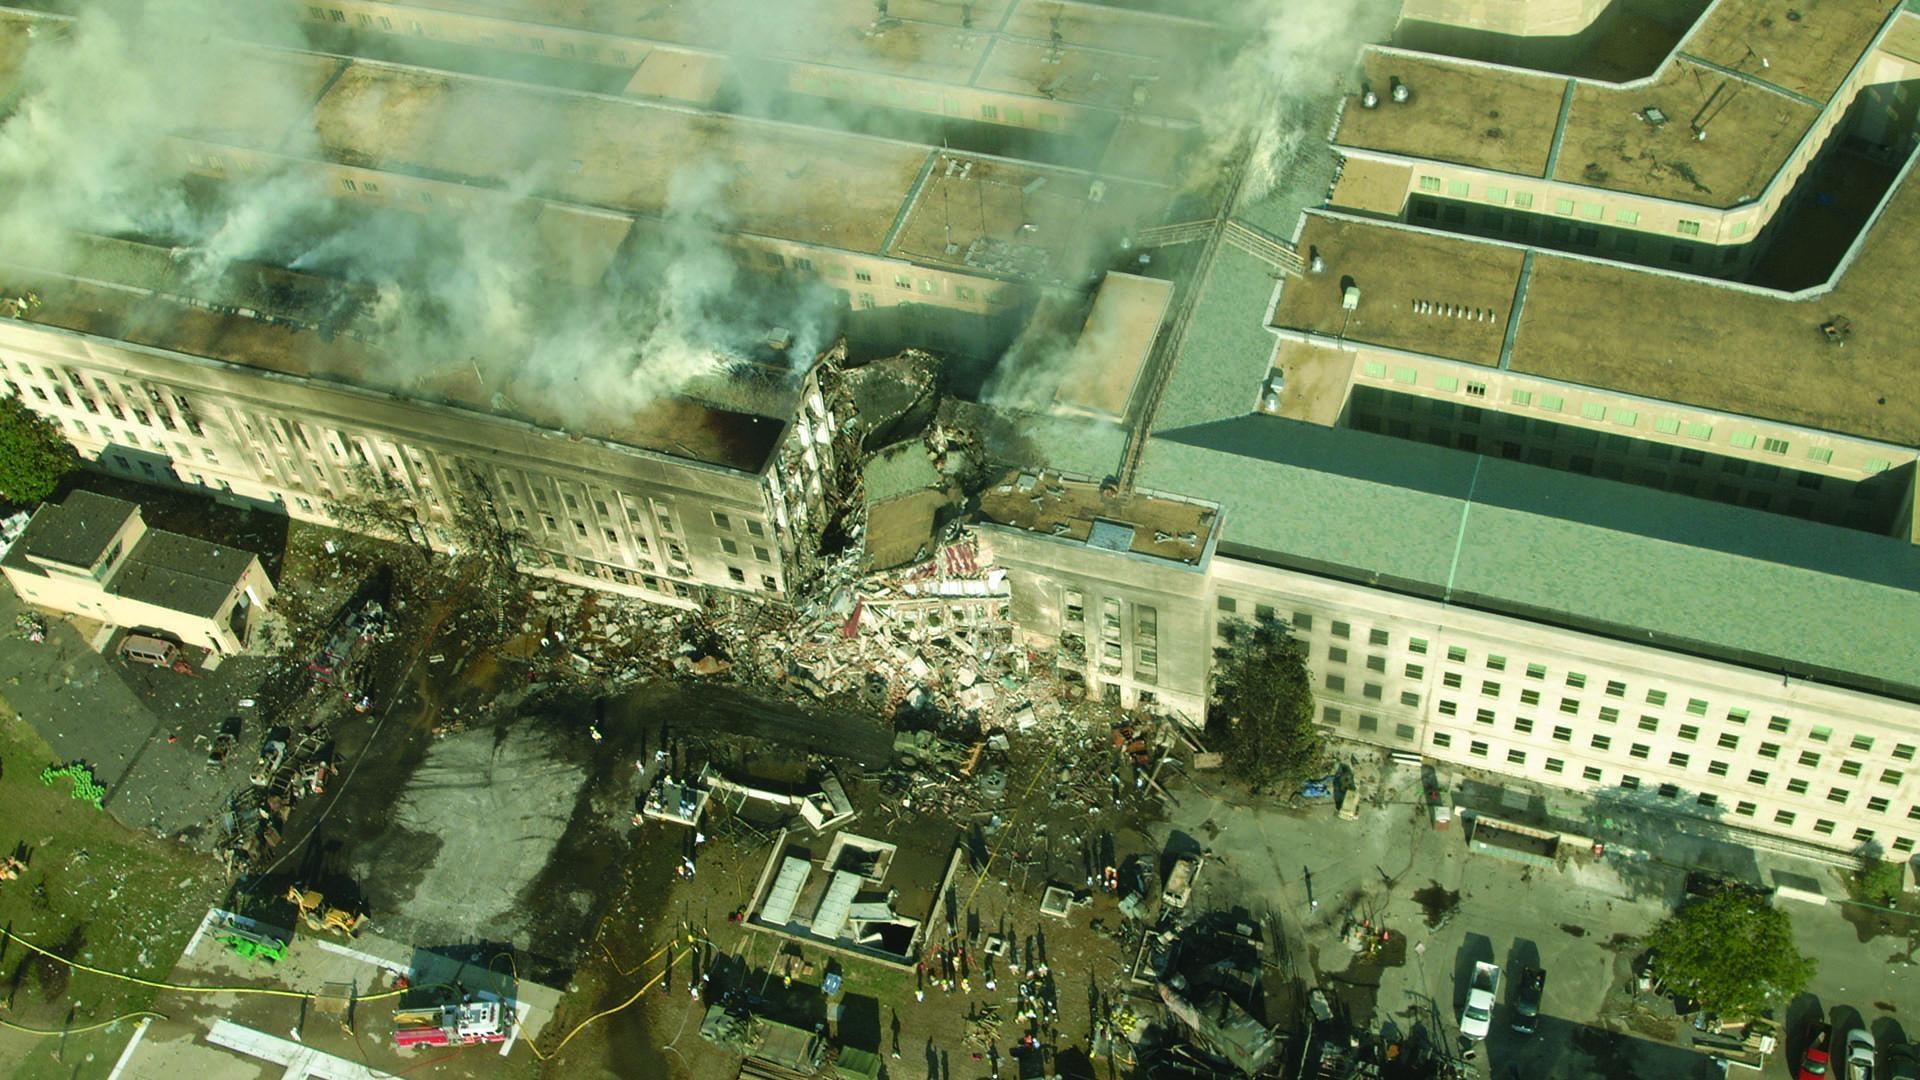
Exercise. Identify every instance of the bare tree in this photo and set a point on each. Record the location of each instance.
(381, 507)
(482, 537)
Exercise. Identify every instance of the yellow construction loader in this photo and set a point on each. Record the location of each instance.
(314, 909)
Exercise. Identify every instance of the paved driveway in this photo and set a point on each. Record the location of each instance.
(118, 719)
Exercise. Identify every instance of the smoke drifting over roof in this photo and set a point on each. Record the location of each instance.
(108, 120)
(88, 148)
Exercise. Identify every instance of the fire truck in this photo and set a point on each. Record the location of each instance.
(465, 1024)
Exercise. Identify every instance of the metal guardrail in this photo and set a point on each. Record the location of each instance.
(1182, 232)
(1264, 246)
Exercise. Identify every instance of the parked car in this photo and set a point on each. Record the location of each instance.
(156, 652)
(1815, 1059)
(1526, 1000)
(1477, 1018)
(1859, 1055)
(1903, 1062)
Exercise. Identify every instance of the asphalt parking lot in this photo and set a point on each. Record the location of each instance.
(1580, 921)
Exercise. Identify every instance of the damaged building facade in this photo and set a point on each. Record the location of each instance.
(275, 385)
(1514, 538)
(587, 510)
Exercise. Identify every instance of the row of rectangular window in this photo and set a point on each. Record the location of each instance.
(272, 425)
(1372, 691)
(1624, 417)
(1658, 698)
(1523, 200)
(1807, 759)
(1696, 707)
(1368, 723)
(1786, 818)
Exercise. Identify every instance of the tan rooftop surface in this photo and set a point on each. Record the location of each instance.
(1372, 187)
(1809, 45)
(1489, 119)
(1393, 268)
(679, 74)
(1102, 51)
(920, 39)
(1750, 133)
(1067, 509)
(967, 199)
(1720, 348)
(1904, 39)
(258, 98)
(1505, 120)
(1640, 332)
(1078, 76)
(1113, 344)
(14, 39)
(805, 185)
(925, 38)
(1099, 26)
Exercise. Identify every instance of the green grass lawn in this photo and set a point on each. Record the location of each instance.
(118, 899)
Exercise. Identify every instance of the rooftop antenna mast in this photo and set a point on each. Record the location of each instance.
(946, 214)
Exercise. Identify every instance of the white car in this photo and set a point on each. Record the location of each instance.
(1477, 1017)
(1859, 1055)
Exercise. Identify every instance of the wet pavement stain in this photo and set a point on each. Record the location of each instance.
(1438, 902)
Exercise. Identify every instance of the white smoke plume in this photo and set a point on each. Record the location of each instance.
(1266, 106)
(1272, 101)
(85, 149)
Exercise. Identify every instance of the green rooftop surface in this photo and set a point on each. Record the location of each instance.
(900, 469)
(1756, 589)
(1077, 447)
(1227, 348)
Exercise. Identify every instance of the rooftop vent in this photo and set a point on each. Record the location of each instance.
(1368, 99)
(1400, 91)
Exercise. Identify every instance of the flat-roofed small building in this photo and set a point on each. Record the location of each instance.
(94, 557)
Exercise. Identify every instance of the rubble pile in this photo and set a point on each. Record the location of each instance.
(933, 638)
(933, 642)
(290, 767)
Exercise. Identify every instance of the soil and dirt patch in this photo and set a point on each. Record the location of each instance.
(472, 828)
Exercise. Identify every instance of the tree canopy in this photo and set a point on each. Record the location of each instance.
(1732, 952)
(1262, 714)
(33, 454)
(1879, 882)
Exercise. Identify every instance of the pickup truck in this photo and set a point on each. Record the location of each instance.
(1180, 882)
(1477, 1018)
